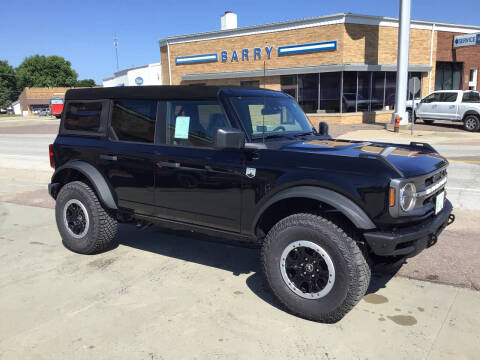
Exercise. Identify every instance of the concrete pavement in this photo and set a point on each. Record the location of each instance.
(164, 295)
(170, 296)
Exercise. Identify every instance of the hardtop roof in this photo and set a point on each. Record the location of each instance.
(161, 92)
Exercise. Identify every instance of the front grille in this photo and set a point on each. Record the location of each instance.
(428, 187)
(430, 180)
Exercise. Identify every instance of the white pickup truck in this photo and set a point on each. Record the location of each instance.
(452, 105)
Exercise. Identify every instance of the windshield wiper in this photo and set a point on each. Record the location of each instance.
(304, 134)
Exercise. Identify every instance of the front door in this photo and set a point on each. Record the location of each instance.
(129, 159)
(427, 107)
(196, 183)
(447, 106)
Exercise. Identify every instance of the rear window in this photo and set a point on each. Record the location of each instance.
(449, 97)
(134, 120)
(471, 97)
(83, 116)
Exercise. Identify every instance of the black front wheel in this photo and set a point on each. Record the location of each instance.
(471, 123)
(314, 268)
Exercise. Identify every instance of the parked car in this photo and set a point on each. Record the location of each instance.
(452, 105)
(43, 112)
(247, 165)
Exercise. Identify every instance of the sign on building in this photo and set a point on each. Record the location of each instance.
(466, 40)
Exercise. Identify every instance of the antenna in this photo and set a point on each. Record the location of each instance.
(263, 110)
(115, 44)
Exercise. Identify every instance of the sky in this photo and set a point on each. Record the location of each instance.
(82, 31)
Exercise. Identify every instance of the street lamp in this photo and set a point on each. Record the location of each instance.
(402, 62)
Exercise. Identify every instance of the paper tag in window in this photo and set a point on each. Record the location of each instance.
(182, 124)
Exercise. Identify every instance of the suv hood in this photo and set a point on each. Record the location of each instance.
(411, 160)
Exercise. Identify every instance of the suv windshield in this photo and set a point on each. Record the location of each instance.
(270, 116)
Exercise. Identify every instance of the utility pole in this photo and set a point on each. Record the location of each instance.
(115, 44)
(402, 62)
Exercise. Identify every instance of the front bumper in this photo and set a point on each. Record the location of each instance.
(412, 240)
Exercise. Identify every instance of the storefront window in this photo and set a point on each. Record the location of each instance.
(250, 83)
(308, 92)
(448, 76)
(349, 98)
(288, 84)
(330, 84)
(378, 91)
(390, 90)
(364, 90)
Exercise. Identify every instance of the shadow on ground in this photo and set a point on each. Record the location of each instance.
(234, 257)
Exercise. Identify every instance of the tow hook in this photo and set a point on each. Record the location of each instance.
(432, 241)
(451, 219)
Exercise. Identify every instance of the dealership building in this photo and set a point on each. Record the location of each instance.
(340, 68)
(149, 74)
(34, 99)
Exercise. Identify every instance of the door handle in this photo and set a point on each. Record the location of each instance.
(108, 157)
(452, 106)
(169, 164)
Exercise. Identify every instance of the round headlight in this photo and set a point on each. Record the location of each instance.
(407, 197)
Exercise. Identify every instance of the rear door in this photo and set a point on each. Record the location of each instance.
(129, 161)
(447, 106)
(196, 183)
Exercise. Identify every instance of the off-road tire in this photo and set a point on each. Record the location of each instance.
(102, 228)
(471, 123)
(428, 122)
(352, 270)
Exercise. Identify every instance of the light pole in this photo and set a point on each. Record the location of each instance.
(115, 44)
(402, 62)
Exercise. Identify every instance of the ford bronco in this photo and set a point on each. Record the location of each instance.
(246, 164)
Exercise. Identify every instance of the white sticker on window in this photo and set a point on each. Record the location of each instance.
(182, 124)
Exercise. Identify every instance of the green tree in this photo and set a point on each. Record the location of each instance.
(8, 85)
(86, 83)
(46, 71)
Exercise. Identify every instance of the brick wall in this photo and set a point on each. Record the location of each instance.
(280, 38)
(356, 44)
(468, 55)
(378, 45)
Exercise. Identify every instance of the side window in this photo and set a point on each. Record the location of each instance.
(449, 97)
(83, 116)
(192, 123)
(134, 120)
(470, 97)
(435, 97)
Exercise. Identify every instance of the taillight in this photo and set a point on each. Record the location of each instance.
(50, 153)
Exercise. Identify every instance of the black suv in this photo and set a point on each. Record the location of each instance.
(246, 164)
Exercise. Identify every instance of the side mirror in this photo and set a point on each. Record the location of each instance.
(224, 138)
(323, 128)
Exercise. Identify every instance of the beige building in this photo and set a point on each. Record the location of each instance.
(34, 99)
(340, 68)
